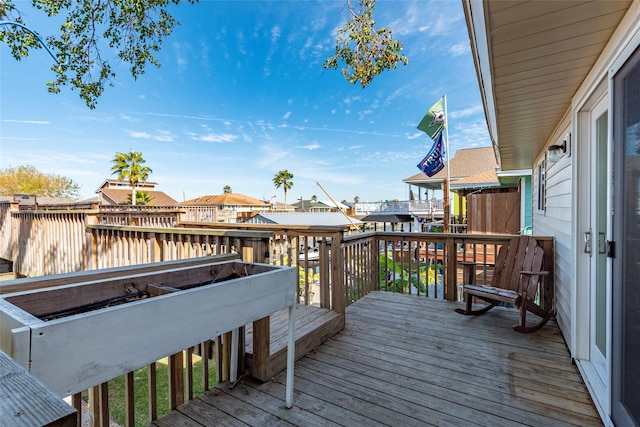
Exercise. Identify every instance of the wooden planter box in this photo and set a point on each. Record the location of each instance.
(70, 351)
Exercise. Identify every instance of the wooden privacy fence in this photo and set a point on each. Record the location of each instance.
(49, 242)
(6, 231)
(144, 218)
(493, 213)
(117, 246)
(46, 242)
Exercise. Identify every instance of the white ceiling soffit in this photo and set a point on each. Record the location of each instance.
(531, 57)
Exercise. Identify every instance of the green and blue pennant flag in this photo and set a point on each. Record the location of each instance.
(434, 121)
(434, 161)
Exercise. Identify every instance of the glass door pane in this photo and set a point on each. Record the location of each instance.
(626, 282)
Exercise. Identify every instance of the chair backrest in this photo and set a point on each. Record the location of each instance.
(522, 253)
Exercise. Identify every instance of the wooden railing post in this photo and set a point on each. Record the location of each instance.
(15, 230)
(155, 252)
(337, 273)
(261, 328)
(153, 401)
(176, 380)
(548, 289)
(261, 346)
(374, 252)
(99, 405)
(130, 414)
(451, 269)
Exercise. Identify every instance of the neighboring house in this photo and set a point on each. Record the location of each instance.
(475, 176)
(560, 83)
(228, 207)
(311, 206)
(305, 219)
(112, 193)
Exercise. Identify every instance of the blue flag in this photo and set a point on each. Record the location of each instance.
(434, 161)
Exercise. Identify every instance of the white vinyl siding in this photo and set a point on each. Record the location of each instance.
(555, 220)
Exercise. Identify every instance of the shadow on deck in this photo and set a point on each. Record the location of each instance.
(406, 360)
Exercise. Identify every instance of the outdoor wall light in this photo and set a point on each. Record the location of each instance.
(555, 152)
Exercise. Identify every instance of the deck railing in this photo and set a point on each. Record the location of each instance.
(315, 250)
(156, 217)
(340, 267)
(424, 264)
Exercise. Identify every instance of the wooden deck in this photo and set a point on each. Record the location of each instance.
(314, 325)
(410, 361)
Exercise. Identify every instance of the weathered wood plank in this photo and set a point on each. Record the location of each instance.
(24, 401)
(248, 414)
(407, 360)
(314, 325)
(205, 414)
(255, 393)
(30, 284)
(525, 405)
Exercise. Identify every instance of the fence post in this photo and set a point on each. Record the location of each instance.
(337, 273)
(15, 235)
(452, 269)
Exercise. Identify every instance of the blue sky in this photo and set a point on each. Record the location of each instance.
(241, 94)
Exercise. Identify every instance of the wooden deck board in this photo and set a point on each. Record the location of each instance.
(406, 360)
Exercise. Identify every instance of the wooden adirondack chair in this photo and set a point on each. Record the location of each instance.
(516, 278)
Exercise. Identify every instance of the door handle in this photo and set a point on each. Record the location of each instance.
(587, 242)
(611, 249)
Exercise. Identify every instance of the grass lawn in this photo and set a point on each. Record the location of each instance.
(117, 404)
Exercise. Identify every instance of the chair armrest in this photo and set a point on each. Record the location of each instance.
(531, 273)
(526, 288)
(468, 272)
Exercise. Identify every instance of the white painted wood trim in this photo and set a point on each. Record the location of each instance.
(234, 356)
(291, 350)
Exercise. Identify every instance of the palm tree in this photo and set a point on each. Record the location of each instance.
(226, 189)
(356, 199)
(142, 198)
(283, 179)
(128, 167)
(314, 198)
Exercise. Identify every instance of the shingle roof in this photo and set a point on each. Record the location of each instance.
(387, 217)
(466, 162)
(303, 218)
(120, 197)
(228, 199)
(488, 178)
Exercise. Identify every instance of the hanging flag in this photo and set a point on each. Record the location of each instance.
(434, 121)
(434, 161)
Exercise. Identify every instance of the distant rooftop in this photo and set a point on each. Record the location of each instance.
(303, 218)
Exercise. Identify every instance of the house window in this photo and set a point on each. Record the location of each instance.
(541, 186)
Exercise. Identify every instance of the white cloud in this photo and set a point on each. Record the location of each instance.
(275, 34)
(164, 136)
(459, 49)
(311, 147)
(287, 115)
(136, 134)
(29, 122)
(214, 137)
(458, 114)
